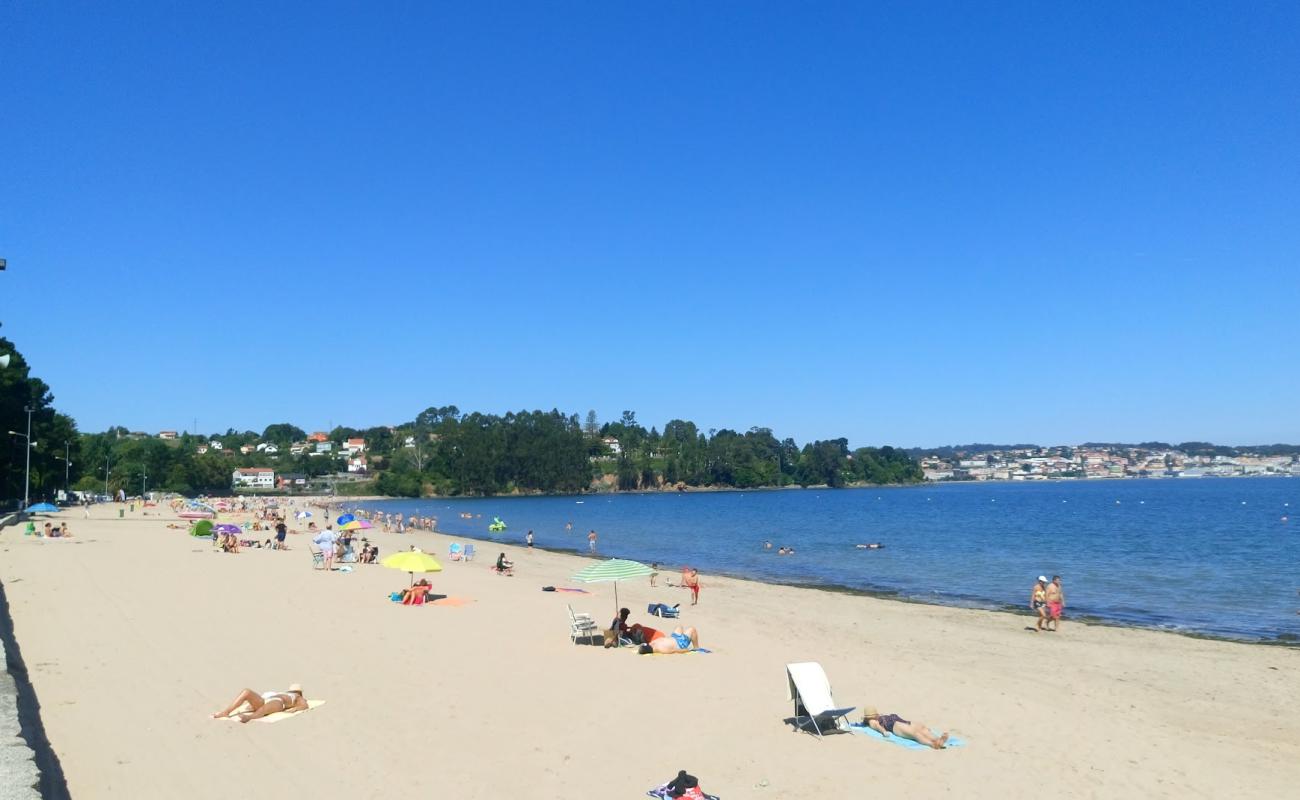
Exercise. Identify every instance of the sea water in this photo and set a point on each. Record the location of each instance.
(1218, 556)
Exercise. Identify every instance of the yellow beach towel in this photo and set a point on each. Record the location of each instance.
(278, 716)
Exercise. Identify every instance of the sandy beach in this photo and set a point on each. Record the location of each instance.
(134, 633)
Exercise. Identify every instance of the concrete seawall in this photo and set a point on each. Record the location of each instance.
(29, 769)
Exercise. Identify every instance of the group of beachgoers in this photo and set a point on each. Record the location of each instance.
(649, 640)
(52, 530)
(1047, 600)
(397, 523)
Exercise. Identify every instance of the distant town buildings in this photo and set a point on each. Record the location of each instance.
(166, 434)
(1064, 463)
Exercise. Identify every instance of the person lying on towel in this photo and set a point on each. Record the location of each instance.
(266, 703)
(894, 725)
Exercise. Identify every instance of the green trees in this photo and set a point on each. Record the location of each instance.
(54, 440)
(442, 449)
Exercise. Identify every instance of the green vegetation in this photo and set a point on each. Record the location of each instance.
(442, 451)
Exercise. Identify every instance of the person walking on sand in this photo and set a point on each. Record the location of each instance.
(591, 541)
(1055, 596)
(325, 541)
(654, 573)
(691, 580)
(1038, 601)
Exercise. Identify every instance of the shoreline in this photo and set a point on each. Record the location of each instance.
(1281, 640)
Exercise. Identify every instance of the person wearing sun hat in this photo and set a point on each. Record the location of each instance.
(893, 725)
(1038, 601)
(266, 703)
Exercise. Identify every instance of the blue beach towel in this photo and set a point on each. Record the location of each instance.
(858, 727)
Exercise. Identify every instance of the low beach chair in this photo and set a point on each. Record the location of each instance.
(662, 610)
(811, 692)
(468, 553)
(453, 552)
(581, 626)
(317, 557)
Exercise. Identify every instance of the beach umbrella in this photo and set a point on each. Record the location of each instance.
(615, 569)
(357, 525)
(344, 519)
(226, 527)
(42, 508)
(412, 561)
(303, 514)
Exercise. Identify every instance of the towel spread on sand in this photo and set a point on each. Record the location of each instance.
(704, 650)
(575, 591)
(858, 727)
(450, 601)
(278, 716)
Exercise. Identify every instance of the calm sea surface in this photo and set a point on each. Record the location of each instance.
(1205, 555)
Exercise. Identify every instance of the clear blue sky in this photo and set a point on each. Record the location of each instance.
(911, 223)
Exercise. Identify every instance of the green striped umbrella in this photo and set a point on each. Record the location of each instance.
(615, 569)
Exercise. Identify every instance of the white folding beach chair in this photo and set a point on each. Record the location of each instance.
(811, 692)
(580, 625)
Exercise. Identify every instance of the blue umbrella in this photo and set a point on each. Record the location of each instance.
(345, 519)
(42, 508)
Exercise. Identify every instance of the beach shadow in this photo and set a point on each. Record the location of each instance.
(807, 728)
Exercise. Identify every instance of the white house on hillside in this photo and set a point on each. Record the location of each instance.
(613, 445)
(354, 446)
(253, 478)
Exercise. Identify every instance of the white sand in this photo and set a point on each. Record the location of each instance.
(133, 634)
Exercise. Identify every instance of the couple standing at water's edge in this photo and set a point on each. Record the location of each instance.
(1047, 600)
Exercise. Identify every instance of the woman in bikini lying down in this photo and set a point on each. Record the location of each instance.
(894, 725)
(265, 703)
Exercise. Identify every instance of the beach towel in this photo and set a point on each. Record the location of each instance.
(704, 650)
(451, 601)
(575, 591)
(858, 727)
(279, 716)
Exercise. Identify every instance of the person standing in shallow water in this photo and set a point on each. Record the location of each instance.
(529, 538)
(591, 541)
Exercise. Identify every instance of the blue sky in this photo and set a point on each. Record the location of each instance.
(913, 223)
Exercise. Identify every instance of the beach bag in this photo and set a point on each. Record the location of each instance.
(548, 588)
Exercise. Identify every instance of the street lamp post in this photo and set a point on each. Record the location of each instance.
(27, 472)
(106, 457)
(67, 465)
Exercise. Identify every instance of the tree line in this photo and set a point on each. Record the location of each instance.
(442, 451)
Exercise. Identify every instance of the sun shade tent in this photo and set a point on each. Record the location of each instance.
(810, 690)
(42, 508)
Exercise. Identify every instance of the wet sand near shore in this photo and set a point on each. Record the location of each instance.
(134, 633)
